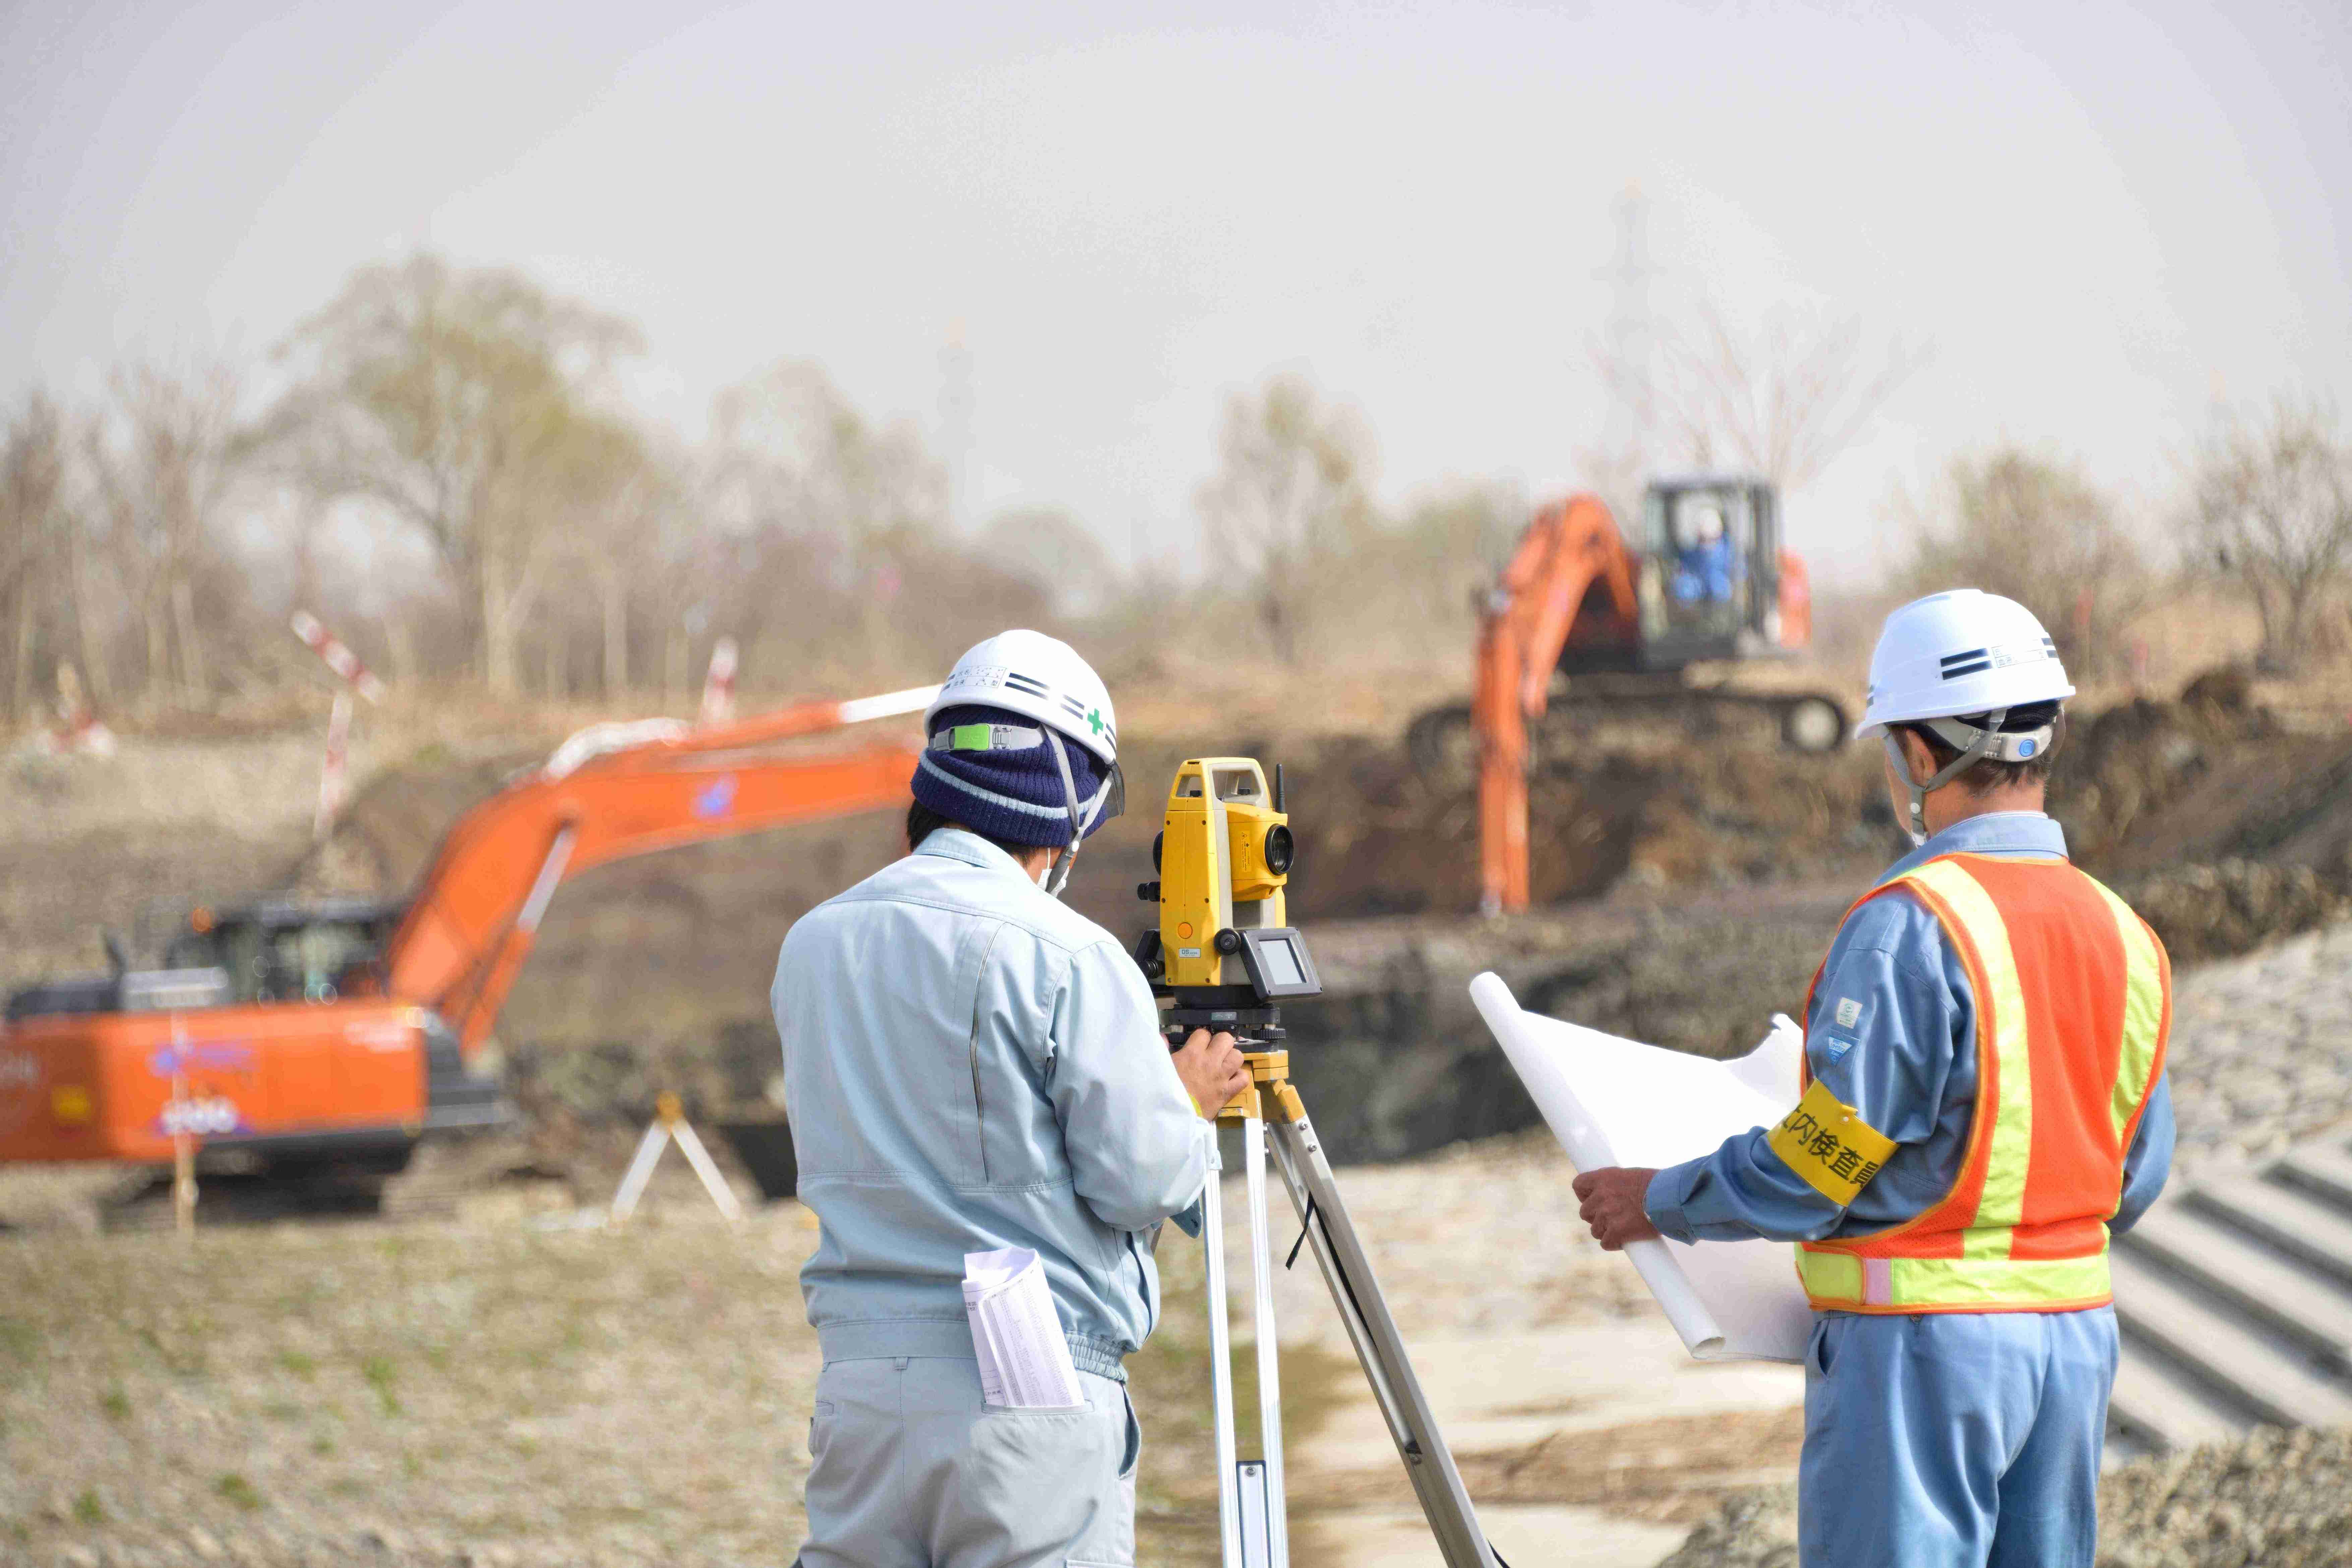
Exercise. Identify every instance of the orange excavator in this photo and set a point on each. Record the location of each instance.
(338, 1031)
(1648, 627)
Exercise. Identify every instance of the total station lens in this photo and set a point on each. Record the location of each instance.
(1278, 849)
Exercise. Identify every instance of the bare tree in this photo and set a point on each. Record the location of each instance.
(2272, 502)
(1290, 498)
(2037, 530)
(1050, 548)
(35, 526)
(796, 472)
(162, 461)
(451, 399)
(1783, 400)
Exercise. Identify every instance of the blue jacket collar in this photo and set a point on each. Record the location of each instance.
(1994, 832)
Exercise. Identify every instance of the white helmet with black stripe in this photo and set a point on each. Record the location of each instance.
(1044, 678)
(1959, 664)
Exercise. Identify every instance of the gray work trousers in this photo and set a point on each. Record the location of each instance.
(913, 1470)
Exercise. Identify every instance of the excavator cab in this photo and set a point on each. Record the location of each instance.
(290, 950)
(1708, 570)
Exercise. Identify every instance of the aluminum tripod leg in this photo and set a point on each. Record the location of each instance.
(1269, 1349)
(1298, 1157)
(1252, 1516)
(1221, 1371)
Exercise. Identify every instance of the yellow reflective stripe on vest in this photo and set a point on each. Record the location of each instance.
(2002, 1202)
(1837, 1281)
(2142, 1014)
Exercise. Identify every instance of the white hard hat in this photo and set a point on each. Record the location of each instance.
(1039, 678)
(1964, 651)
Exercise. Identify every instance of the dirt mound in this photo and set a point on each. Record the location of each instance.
(2280, 1499)
(2221, 826)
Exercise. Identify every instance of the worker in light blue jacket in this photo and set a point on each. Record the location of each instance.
(1952, 1234)
(972, 1064)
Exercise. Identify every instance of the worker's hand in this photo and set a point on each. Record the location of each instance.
(1611, 1204)
(1211, 1067)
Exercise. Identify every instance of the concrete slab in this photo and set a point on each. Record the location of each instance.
(1555, 1536)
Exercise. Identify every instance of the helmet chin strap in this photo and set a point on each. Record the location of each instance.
(1058, 876)
(1979, 745)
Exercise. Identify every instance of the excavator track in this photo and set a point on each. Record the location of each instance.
(1613, 714)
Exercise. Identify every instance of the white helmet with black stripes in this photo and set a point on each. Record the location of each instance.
(1042, 677)
(1961, 664)
(1039, 678)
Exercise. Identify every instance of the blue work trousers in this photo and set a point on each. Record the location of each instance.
(1954, 1439)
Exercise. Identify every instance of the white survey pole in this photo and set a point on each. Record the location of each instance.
(718, 686)
(334, 774)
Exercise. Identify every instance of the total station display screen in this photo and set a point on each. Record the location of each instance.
(1279, 964)
(1280, 959)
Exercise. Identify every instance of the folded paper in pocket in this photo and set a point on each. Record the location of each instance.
(1025, 1362)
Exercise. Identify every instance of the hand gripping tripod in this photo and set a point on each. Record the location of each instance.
(1251, 1513)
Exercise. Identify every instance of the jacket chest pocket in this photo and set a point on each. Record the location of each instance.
(1008, 1044)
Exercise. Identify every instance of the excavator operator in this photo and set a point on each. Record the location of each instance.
(1984, 1105)
(1707, 564)
(972, 1064)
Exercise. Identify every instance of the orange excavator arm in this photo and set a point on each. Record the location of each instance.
(611, 792)
(1568, 547)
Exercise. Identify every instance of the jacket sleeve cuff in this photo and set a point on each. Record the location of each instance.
(1190, 1218)
(1663, 1201)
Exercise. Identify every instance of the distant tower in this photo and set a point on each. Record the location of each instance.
(1630, 341)
(955, 424)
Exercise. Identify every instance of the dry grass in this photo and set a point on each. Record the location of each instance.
(361, 1391)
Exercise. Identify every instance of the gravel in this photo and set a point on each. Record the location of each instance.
(2280, 1500)
(2260, 1049)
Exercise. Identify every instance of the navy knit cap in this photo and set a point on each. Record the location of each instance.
(1010, 793)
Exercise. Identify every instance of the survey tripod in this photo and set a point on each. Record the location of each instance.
(1223, 954)
(1252, 1523)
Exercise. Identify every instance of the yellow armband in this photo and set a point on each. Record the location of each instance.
(1827, 1142)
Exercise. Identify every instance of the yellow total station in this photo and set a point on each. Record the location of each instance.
(1223, 856)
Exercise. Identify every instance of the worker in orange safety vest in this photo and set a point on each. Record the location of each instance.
(1984, 1106)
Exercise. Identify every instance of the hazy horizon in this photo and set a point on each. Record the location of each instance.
(2101, 221)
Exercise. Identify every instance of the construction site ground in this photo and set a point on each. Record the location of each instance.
(490, 1387)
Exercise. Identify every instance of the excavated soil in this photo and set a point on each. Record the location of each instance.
(1686, 891)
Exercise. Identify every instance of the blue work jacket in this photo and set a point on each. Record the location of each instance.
(1891, 1032)
(970, 1064)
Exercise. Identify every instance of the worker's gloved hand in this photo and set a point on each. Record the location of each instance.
(1212, 1069)
(1611, 1203)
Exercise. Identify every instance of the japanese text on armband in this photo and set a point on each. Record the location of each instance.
(1829, 1144)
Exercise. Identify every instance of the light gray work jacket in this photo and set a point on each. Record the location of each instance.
(970, 1064)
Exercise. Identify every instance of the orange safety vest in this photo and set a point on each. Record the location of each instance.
(2073, 1001)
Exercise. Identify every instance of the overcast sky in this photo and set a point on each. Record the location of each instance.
(2101, 217)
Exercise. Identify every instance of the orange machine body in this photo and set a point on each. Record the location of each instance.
(357, 1061)
(121, 1086)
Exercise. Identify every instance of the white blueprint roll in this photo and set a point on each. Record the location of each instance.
(1612, 1101)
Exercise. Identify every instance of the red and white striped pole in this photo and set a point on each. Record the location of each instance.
(334, 772)
(718, 686)
(339, 658)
